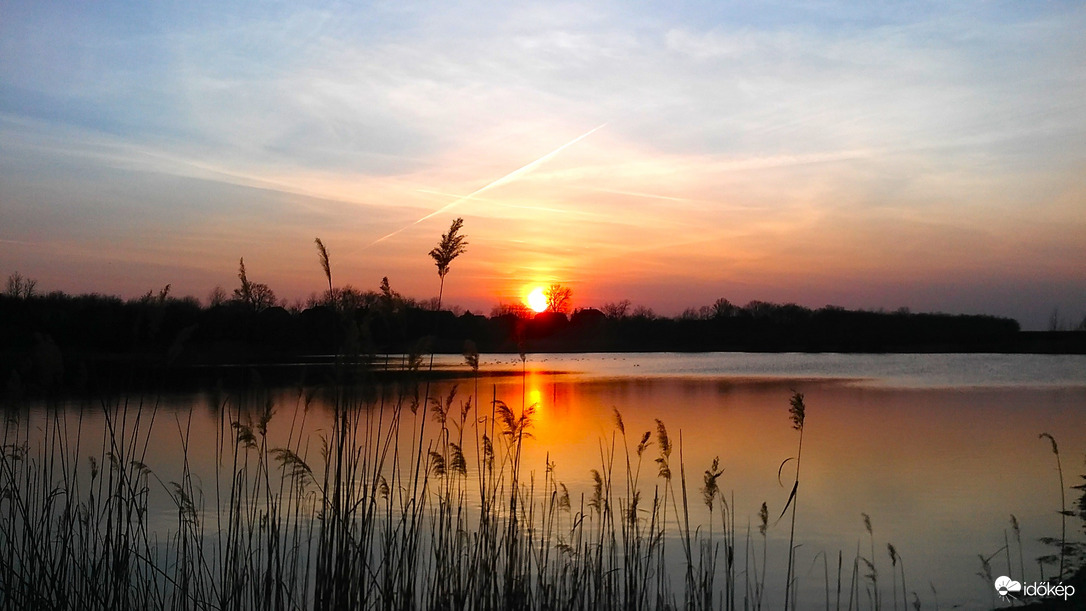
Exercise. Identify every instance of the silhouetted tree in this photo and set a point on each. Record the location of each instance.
(617, 309)
(216, 297)
(559, 298)
(263, 297)
(351, 299)
(518, 310)
(20, 287)
(1054, 323)
(759, 309)
(722, 308)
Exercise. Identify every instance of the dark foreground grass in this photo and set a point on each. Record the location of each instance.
(409, 502)
(404, 501)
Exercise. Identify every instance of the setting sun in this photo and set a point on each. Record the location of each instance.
(537, 301)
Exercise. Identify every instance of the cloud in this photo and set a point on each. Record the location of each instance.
(731, 131)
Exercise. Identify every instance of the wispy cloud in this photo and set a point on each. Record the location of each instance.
(511, 176)
(756, 139)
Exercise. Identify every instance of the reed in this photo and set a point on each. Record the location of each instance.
(872, 571)
(345, 524)
(797, 411)
(323, 510)
(985, 574)
(77, 533)
(1018, 541)
(1062, 543)
(326, 266)
(854, 586)
(897, 562)
(759, 583)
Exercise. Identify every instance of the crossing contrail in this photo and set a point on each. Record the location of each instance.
(501, 181)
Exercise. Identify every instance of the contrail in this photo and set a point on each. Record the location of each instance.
(504, 179)
(517, 206)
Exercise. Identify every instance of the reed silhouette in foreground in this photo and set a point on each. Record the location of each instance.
(797, 411)
(307, 508)
(1062, 543)
(347, 525)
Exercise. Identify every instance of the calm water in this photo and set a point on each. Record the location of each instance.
(939, 450)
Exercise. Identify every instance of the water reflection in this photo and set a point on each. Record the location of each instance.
(939, 470)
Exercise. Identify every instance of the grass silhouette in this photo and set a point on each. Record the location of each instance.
(322, 508)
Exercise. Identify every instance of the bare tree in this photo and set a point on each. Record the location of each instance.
(20, 287)
(516, 309)
(263, 297)
(616, 309)
(216, 297)
(722, 308)
(351, 299)
(1055, 323)
(559, 298)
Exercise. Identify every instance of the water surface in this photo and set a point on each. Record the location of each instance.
(938, 450)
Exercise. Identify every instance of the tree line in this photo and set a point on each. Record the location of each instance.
(48, 337)
(68, 329)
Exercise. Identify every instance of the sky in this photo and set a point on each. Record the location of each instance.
(866, 155)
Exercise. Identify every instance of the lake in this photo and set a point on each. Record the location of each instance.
(937, 450)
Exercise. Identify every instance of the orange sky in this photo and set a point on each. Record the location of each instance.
(849, 156)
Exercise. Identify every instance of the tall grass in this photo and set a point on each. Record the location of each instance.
(1062, 543)
(797, 412)
(75, 533)
(330, 511)
(326, 508)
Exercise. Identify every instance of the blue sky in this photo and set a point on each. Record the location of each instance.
(883, 155)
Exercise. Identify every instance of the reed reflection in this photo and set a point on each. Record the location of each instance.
(937, 472)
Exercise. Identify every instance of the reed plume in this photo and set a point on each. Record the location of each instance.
(327, 267)
(797, 411)
(1063, 503)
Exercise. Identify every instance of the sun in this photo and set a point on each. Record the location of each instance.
(537, 301)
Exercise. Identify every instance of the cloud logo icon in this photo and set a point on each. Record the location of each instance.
(1005, 585)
